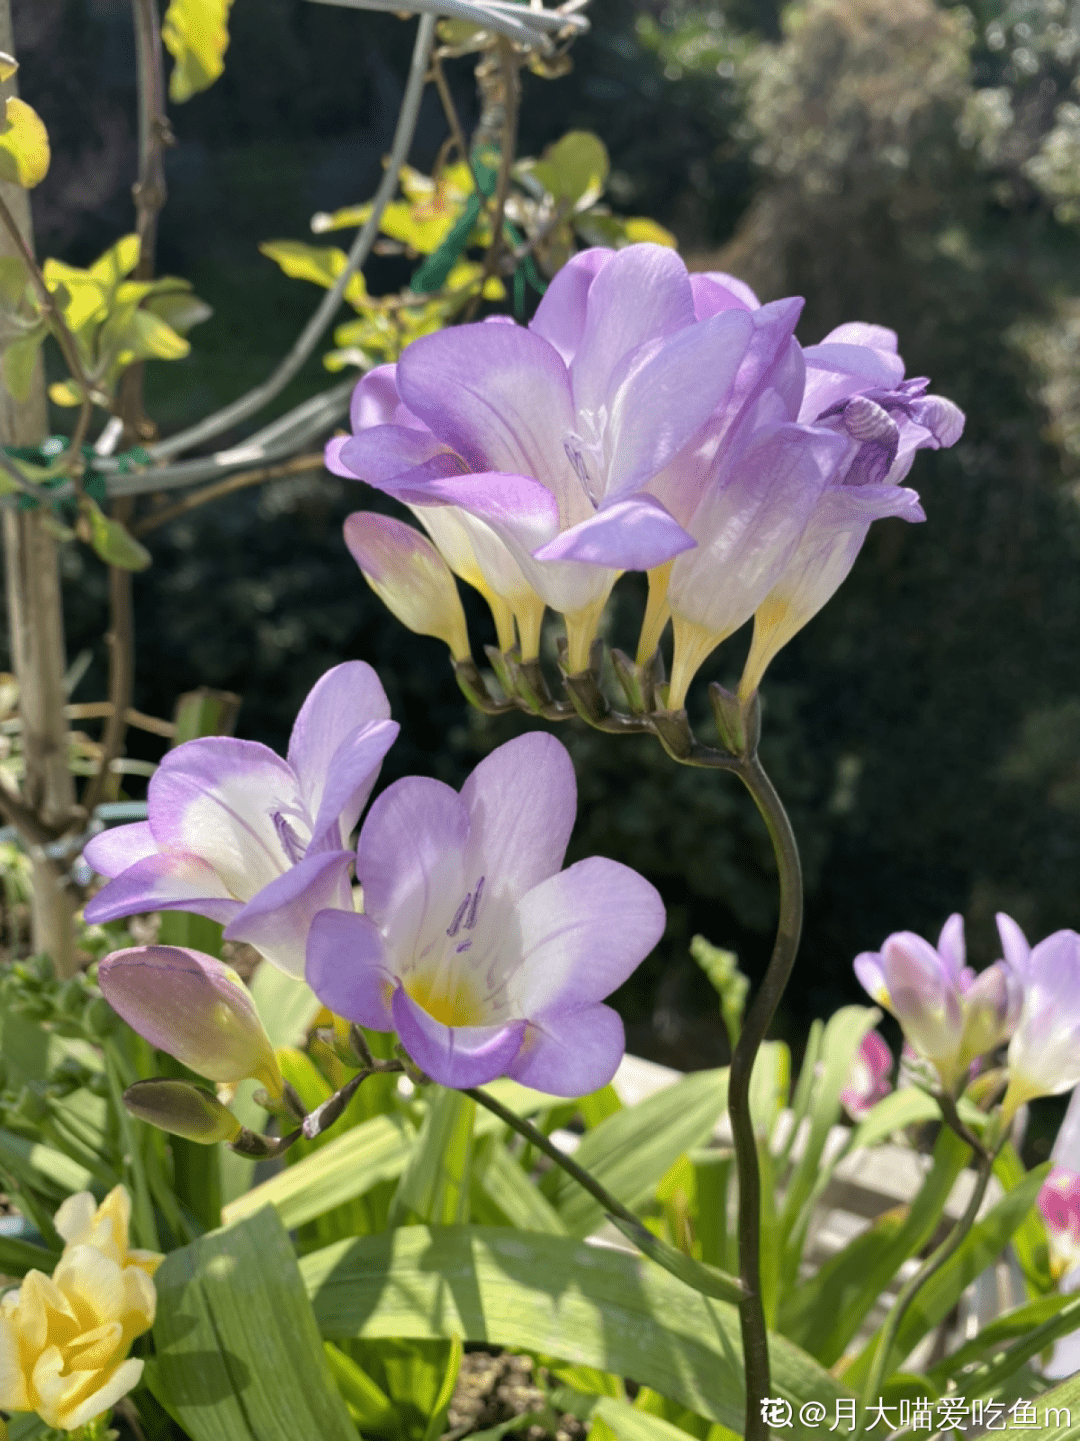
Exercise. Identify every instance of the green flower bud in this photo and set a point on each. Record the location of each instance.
(182, 1109)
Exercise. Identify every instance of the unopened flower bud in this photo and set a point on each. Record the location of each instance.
(182, 1109)
(193, 1007)
(410, 577)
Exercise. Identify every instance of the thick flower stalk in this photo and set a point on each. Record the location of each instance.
(239, 835)
(541, 440)
(1044, 1053)
(482, 954)
(949, 1015)
(64, 1339)
(194, 1007)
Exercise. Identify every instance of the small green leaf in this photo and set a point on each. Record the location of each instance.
(180, 310)
(575, 168)
(321, 264)
(369, 1405)
(196, 34)
(110, 539)
(24, 145)
(20, 362)
(65, 393)
(117, 262)
(437, 1421)
(701, 1277)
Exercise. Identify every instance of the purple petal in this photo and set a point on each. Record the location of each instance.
(457, 1056)
(277, 919)
(351, 775)
(836, 370)
(583, 931)
(347, 968)
(386, 453)
(571, 1054)
(856, 332)
(521, 802)
(169, 881)
(560, 316)
(871, 977)
(498, 395)
(951, 947)
(515, 506)
(375, 401)
(715, 292)
(923, 997)
(633, 534)
(643, 293)
(226, 800)
(342, 709)
(409, 855)
(666, 394)
(332, 457)
(114, 851)
(192, 1006)
(943, 419)
(1066, 1149)
(748, 525)
(1014, 944)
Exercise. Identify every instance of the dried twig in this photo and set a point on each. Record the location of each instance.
(299, 466)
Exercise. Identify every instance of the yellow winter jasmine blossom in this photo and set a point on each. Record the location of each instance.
(64, 1339)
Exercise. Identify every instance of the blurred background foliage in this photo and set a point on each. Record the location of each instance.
(901, 161)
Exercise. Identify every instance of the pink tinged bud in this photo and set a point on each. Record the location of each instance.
(410, 577)
(1044, 1054)
(868, 1080)
(182, 1109)
(950, 1016)
(1059, 1204)
(991, 1010)
(193, 1007)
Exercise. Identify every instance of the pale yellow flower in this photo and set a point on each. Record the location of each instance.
(64, 1339)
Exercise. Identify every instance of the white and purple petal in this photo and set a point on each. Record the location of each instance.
(458, 1056)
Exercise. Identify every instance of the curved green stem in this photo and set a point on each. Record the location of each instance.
(537, 1138)
(789, 928)
(933, 1263)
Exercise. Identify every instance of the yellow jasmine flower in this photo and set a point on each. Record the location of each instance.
(64, 1339)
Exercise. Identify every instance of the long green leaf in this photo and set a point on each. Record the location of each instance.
(630, 1151)
(699, 1275)
(840, 1045)
(1065, 1397)
(239, 1357)
(590, 1305)
(993, 1339)
(830, 1320)
(287, 1005)
(375, 1151)
(504, 1182)
(982, 1245)
(435, 1182)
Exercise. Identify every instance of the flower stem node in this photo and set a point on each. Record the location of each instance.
(738, 720)
(182, 1109)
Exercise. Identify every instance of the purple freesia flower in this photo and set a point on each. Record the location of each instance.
(950, 1015)
(239, 835)
(868, 1079)
(855, 387)
(1044, 1053)
(548, 435)
(484, 956)
(782, 486)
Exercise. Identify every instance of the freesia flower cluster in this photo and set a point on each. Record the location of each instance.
(473, 944)
(645, 419)
(64, 1339)
(953, 1018)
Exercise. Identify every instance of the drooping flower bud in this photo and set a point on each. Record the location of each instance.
(195, 1008)
(410, 577)
(182, 1109)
